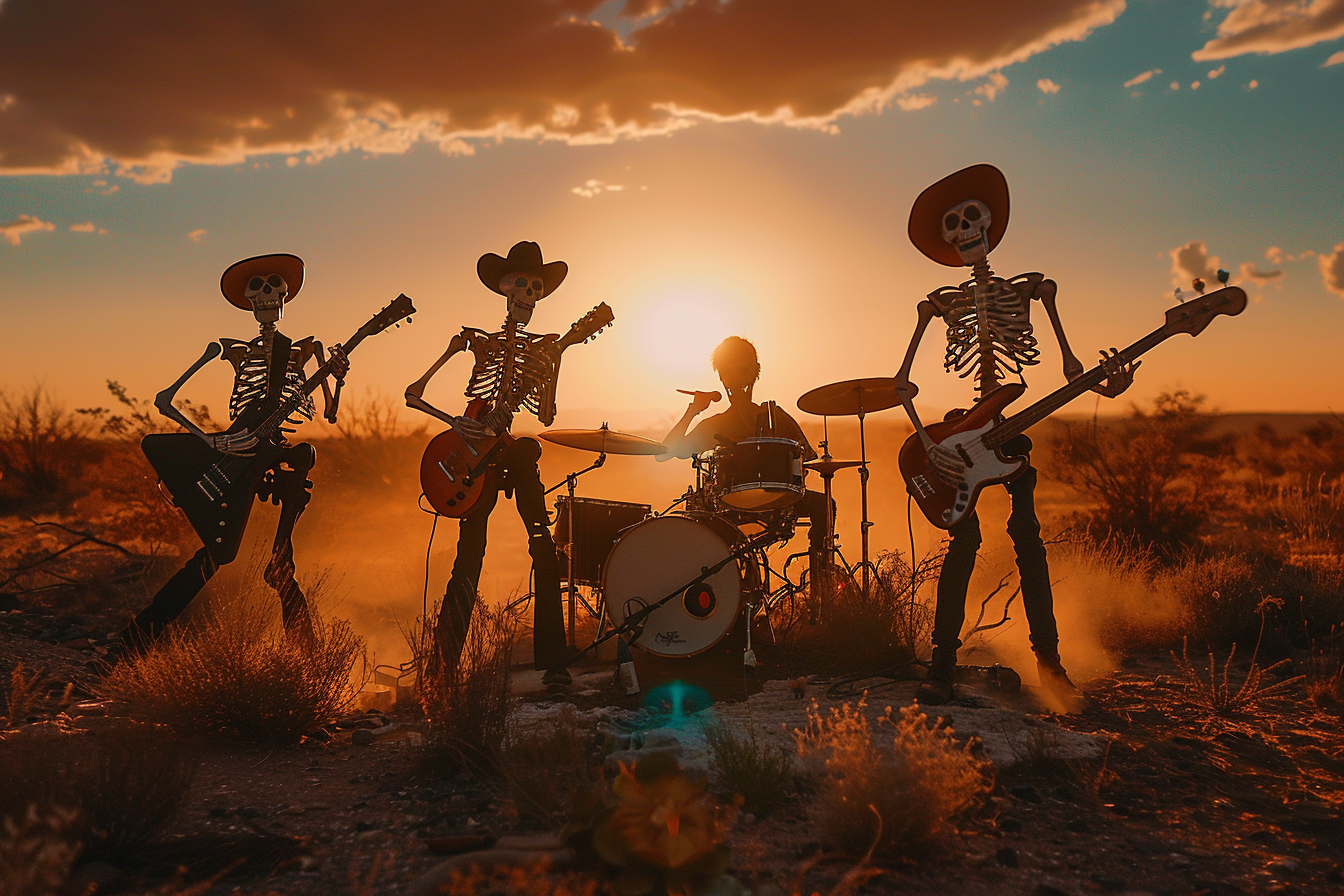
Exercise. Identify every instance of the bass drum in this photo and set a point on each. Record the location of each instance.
(665, 553)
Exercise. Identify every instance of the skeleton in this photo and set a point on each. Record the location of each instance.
(287, 485)
(989, 338)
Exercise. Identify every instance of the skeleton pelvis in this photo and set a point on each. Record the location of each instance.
(945, 504)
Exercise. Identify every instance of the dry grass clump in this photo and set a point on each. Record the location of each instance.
(123, 782)
(466, 708)
(890, 801)
(760, 774)
(238, 674)
(23, 695)
(546, 764)
(1216, 693)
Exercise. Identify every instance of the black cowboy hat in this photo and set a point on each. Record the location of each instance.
(983, 182)
(524, 258)
(234, 282)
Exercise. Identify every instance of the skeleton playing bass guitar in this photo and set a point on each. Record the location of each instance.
(978, 436)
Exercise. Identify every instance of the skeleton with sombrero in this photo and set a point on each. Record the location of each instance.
(513, 370)
(957, 222)
(268, 371)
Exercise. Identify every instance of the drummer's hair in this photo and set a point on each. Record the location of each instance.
(736, 352)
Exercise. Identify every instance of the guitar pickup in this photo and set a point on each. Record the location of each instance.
(922, 486)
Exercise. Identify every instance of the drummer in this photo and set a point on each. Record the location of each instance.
(738, 368)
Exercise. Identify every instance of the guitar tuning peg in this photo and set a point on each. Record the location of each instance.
(408, 320)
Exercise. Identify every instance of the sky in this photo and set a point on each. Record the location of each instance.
(706, 168)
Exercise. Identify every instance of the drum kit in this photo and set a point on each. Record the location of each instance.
(674, 582)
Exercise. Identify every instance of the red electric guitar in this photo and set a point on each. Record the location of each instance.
(454, 472)
(978, 436)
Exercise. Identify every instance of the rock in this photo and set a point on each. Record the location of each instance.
(365, 736)
(220, 812)
(1007, 856)
(249, 812)
(1284, 866)
(1009, 824)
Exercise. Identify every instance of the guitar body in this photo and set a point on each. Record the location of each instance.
(215, 491)
(454, 473)
(945, 505)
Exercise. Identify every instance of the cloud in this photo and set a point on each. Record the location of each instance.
(1332, 270)
(994, 85)
(1252, 84)
(197, 235)
(593, 188)
(915, 101)
(221, 82)
(1045, 85)
(1335, 59)
(14, 230)
(1193, 260)
(1140, 78)
(1272, 26)
(1275, 255)
(86, 227)
(1249, 271)
(1217, 72)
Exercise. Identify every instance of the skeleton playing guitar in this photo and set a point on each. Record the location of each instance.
(215, 491)
(454, 472)
(978, 436)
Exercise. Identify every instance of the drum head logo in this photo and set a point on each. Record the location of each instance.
(699, 600)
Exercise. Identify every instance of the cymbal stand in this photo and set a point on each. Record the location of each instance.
(828, 517)
(570, 481)
(865, 525)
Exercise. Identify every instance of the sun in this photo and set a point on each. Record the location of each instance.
(678, 328)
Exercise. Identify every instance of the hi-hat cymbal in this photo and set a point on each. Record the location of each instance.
(604, 441)
(827, 467)
(850, 397)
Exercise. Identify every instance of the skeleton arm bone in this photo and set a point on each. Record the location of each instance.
(164, 400)
(907, 390)
(1119, 376)
(340, 366)
(464, 426)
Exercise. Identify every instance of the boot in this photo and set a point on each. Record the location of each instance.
(938, 686)
(1055, 682)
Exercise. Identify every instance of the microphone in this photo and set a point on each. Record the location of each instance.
(716, 395)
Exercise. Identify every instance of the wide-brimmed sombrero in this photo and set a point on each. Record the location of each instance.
(524, 258)
(234, 282)
(983, 182)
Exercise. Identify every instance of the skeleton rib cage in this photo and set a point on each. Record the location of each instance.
(512, 380)
(250, 366)
(989, 330)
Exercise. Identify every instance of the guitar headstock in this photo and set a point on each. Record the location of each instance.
(1193, 316)
(588, 326)
(397, 310)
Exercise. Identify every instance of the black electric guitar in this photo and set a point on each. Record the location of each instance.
(978, 436)
(216, 490)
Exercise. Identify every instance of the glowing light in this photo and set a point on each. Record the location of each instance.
(678, 328)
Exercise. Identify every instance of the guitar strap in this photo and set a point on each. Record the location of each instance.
(278, 367)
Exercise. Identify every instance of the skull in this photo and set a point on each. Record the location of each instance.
(966, 227)
(267, 295)
(523, 292)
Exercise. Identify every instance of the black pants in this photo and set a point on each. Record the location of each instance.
(516, 469)
(287, 485)
(1038, 601)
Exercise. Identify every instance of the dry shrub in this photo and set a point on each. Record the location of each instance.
(236, 673)
(1325, 672)
(858, 633)
(890, 801)
(22, 696)
(1115, 586)
(466, 708)
(124, 780)
(760, 774)
(43, 449)
(545, 764)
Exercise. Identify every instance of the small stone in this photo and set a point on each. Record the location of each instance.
(1009, 824)
(1007, 856)
(363, 825)
(220, 812)
(310, 864)
(1284, 866)
(363, 737)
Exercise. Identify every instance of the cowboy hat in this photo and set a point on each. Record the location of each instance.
(983, 182)
(234, 282)
(524, 258)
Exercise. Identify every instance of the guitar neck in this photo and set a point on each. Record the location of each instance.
(1029, 417)
(306, 388)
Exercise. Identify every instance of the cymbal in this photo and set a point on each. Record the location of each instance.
(850, 397)
(604, 441)
(827, 467)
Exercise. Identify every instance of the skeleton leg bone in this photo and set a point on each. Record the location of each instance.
(291, 489)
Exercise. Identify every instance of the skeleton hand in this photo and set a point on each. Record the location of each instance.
(947, 464)
(238, 443)
(1119, 375)
(340, 364)
(470, 430)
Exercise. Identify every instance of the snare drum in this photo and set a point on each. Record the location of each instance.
(587, 530)
(663, 554)
(759, 474)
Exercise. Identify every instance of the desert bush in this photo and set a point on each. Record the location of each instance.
(1153, 475)
(545, 764)
(760, 774)
(22, 696)
(43, 448)
(1325, 672)
(236, 673)
(860, 633)
(124, 780)
(890, 801)
(372, 441)
(466, 708)
(1216, 692)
